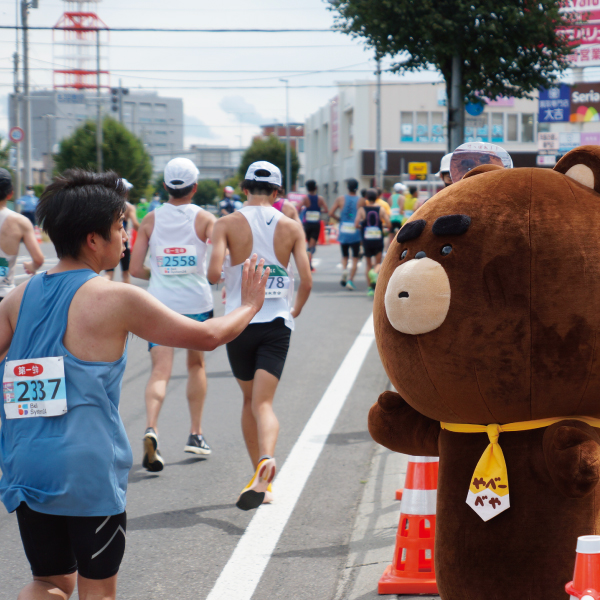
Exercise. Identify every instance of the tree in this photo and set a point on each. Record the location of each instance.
(122, 152)
(273, 151)
(483, 49)
(207, 193)
(5, 147)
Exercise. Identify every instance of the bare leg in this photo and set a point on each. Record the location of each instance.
(156, 389)
(354, 267)
(259, 423)
(125, 277)
(344, 263)
(110, 275)
(97, 589)
(196, 388)
(368, 260)
(58, 587)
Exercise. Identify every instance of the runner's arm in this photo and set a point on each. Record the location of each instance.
(303, 268)
(336, 205)
(360, 217)
(219, 249)
(386, 219)
(131, 214)
(323, 205)
(139, 251)
(151, 320)
(204, 224)
(31, 243)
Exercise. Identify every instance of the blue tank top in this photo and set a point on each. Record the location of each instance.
(349, 234)
(75, 464)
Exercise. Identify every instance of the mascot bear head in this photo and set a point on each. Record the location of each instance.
(488, 302)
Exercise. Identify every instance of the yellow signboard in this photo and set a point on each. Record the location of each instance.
(418, 170)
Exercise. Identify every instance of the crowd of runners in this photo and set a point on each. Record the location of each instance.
(64, 454)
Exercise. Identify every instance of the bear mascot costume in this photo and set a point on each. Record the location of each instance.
(487, 321)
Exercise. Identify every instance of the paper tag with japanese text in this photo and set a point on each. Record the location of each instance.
(34, 387)
(177, 260)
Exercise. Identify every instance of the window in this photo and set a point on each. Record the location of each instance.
(497, 127)
(146, 106)
(437, 127)
(160, 120)
(160, 107)
(476, 129)
(301, 145)
(422, 127)
(512, 128)
(527, 128)
(406, 127)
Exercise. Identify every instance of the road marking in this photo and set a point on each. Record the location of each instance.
(244, 569)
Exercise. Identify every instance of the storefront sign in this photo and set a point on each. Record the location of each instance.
(568, 140)
(590, 139)
(418, 170)
(554, 104)
(546, 160)
(585, 102)
(548, 143)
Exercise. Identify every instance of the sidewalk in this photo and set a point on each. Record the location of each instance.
(374, 537)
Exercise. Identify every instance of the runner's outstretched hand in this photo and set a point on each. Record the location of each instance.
(254, 282)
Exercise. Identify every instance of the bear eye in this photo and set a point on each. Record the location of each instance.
(404, 253)
(446, 250)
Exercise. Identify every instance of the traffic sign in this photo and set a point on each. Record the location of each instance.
(16, 135)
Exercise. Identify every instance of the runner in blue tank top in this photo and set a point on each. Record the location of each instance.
(64, 454)
(349, 235)
(314, 205)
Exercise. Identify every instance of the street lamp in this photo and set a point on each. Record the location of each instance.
(288, 157)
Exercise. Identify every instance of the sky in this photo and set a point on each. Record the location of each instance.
(222, 109)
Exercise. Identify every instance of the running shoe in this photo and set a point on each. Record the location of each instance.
(196, 444)
(253, 494)
(152, 461)
(350, 286)
(370, 292)
(373, 276)
(312, 269)
(344, 278)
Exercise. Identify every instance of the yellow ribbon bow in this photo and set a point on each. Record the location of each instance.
(488, 492)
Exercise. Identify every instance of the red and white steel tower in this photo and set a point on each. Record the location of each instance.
(77, 43)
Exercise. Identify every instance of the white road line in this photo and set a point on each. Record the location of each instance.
(243, 571)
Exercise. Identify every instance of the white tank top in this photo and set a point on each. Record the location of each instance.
(8, 263)
(280, 287)
(178, 261)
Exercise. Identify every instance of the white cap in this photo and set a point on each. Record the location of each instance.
(445, 164)
(588, 544)
(264, 171)
(228, 188)
(180, 172)
(126, 183)
(400, 188)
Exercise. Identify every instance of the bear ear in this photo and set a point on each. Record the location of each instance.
(482, 169)
(582, 165)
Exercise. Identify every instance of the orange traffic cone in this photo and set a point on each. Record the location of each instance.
(322, 241)
(38, 234)
(412, 570)
(586, 580)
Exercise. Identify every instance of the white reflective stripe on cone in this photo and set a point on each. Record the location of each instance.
(423, 459)
(418, 502)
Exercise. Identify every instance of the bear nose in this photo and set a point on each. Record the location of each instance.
(420, 254)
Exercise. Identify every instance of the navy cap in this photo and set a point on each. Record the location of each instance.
(4, 174)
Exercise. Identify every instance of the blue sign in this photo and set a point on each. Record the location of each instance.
(474, 108)
(554, 104)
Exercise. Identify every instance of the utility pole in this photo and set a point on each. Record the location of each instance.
(288, 156)
(378, 173)
(27, 100)
(17, 113)
(457, 106)
(120, 101)
(99, 166)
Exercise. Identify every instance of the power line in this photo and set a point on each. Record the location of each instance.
(168, 30)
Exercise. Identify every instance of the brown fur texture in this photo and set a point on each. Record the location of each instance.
(519, 342)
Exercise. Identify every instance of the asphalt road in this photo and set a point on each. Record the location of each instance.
(183, 525)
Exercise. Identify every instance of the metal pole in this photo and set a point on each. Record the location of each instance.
(457, 126)
(17, 113)
(99, 108)
(120, 101)
(27, 101)
(288, 156)
(378, 173)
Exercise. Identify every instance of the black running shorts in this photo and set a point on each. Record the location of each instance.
(260, 346)
(355, 247)
(57, 545)
(312, 231)
(373, 248)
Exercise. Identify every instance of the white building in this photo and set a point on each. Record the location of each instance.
(341, 136)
